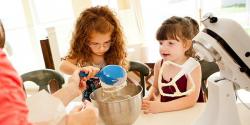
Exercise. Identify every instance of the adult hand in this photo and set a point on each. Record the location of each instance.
(75, 84)
(85, 114)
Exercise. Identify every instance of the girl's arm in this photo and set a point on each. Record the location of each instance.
(153, 91)
(68, 66)
(181, 103)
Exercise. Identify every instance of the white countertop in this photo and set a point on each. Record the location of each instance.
(183, 117)
(186, 116)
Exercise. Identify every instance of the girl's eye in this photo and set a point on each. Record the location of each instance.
(160, 43)
(107, 42)
(171, 43)
(94, 43)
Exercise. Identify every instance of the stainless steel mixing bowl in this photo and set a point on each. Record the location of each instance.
(124, 109)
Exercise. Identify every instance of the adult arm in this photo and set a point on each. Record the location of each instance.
(13, 108)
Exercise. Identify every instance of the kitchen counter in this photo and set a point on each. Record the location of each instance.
(183, 117)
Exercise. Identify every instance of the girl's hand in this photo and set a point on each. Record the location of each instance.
(77, 84)
(90, 70)
(151, 97)
(150, 106)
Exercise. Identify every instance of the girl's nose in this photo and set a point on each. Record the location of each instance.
(162, 47)
(102, 48)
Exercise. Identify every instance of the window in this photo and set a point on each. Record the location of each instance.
(238, 10)
(26, 21)
(23, 55)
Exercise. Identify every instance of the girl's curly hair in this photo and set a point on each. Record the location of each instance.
(2, 35)
(102, 20)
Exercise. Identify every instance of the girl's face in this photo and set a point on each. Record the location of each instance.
(172, 50)
(100, 43)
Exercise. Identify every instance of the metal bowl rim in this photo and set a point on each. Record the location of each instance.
(118, 100)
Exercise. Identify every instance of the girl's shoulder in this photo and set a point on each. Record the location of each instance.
(194, 61)
(195, 64)
(76, 61)
(69, 59)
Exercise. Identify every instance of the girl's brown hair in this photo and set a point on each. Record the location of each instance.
(195, 25)
(102, 20)
(174, 28)
(2, 35)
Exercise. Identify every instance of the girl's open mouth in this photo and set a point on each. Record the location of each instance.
(165, 55)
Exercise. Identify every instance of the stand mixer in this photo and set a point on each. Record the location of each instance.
(225, 42)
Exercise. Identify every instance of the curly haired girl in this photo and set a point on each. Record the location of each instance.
(96, 41)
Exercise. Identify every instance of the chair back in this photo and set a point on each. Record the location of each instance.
(44, 78)
(207, 69)
(142, 69)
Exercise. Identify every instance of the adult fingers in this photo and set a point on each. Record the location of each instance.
(77, 108)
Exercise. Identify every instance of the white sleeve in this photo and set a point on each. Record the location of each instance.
(44, 107)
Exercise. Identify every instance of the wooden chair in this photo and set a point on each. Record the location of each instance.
(142, 70)
(43, 78)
